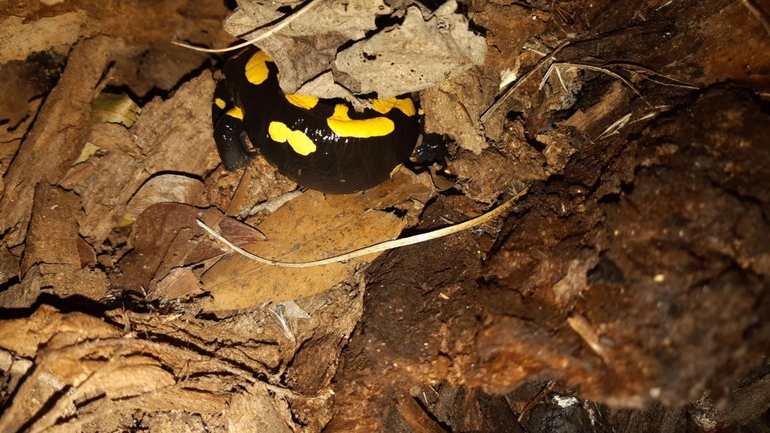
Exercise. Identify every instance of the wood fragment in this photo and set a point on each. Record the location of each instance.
(56, 138)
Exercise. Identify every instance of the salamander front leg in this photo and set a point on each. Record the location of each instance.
(229, 131)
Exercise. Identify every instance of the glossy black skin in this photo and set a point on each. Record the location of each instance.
(339, 165)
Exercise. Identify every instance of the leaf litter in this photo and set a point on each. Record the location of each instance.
(119, 304)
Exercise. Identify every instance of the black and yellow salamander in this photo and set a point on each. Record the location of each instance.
(321, 144)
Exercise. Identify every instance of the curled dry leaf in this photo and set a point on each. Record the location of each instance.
(351, 18)
(165, 188)
(421, 52)
(416, 55)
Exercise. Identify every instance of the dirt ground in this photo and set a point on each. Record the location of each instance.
(626, 290)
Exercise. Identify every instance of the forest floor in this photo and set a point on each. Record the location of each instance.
(625, 290)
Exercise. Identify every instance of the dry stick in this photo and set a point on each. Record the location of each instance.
(383, 246)
(556, 66)
(635, 68)
(761, 15)
(278, 27)
(523, 78)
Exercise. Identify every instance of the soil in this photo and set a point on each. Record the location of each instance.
(626, 290)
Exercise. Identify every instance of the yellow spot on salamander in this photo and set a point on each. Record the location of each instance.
(235, 112)
(344, 126)
(256, 68)
(298, 141)
(385, 105)
(220, 103)
(395, 170)
(302, 101)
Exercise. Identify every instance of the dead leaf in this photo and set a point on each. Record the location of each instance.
(163, 188)
(88, 151)
(321, 31)
(417, 54)
(112, 108)
(177, 284)
(165, 133)
(310, 227)
(166, 237)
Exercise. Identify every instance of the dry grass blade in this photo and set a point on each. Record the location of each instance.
(557, 66)
(523, 78)
(384, 246)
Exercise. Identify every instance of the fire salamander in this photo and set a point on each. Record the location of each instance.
(322, 144)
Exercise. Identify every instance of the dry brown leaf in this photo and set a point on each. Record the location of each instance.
(418, 54)
(408, 57)
(178, 283)
(310, 227)
(174, 188)
(165, 133)
(166, 238)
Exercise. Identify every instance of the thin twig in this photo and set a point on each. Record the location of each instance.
(591, 68)
(383, 246)
(616, 126)
(524, 77)
(278, 27)
(760, 14)
(636, 68)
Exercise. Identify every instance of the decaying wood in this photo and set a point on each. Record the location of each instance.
(635, 271)
(57, 137)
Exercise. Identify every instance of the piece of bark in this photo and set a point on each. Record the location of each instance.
(57, 137)
(455, 106)
(18, 39)
(25, 293)
(52, 236)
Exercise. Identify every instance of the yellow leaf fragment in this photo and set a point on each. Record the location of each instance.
(112, 108)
